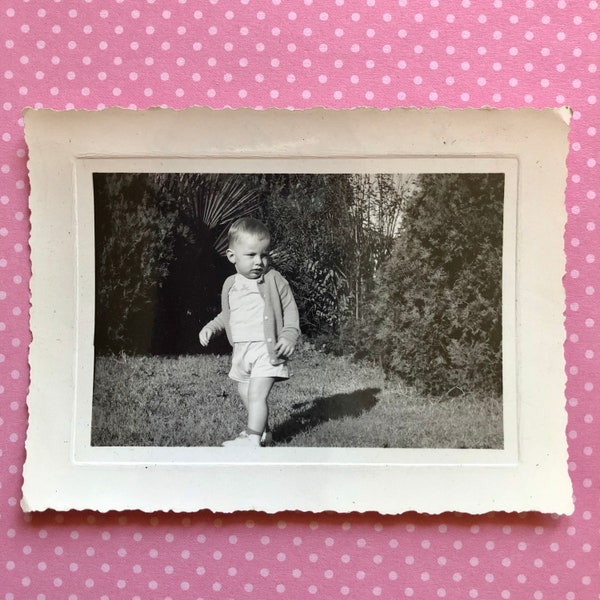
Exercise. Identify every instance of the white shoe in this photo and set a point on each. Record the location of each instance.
(244, 440)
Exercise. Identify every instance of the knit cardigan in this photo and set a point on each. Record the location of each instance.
(280, 316)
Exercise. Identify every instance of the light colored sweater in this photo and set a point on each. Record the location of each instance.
(280, 317)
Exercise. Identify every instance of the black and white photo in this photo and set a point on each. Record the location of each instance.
(331, 310)
(398, 282)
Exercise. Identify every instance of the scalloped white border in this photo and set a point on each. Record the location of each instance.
(62, 471)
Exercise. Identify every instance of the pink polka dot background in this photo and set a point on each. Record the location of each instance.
(299, 54)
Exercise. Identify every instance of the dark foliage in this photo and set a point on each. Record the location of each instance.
(438, 311)
(134, 238)
(403, 269)
(306, 217)
(330, 233)
(159, 263)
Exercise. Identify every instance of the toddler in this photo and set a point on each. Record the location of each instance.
(260, 316)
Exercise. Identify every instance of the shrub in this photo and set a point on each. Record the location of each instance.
(437, 315)
(134, 248)
(159, 264)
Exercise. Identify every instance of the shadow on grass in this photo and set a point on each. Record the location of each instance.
(307, 415)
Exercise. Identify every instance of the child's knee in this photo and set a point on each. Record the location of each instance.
(260, 388)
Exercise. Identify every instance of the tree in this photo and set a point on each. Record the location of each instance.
(207, 204)
(376, 206)
(438, 319)
(160, 238)
(208, 201)
(308, 217)
(134, 240)
(331, 233)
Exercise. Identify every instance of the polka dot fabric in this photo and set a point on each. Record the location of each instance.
(293, 54)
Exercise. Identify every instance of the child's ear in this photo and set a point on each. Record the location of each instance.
(230, 255)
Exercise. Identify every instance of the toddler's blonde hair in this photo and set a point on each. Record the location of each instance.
(247, 225)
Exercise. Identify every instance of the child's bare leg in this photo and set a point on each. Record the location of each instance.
(243, 392)
(258, 409)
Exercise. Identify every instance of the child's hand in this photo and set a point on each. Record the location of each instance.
(284, 348)
(205, 336)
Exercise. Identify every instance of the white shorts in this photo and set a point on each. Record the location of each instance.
(251, 359)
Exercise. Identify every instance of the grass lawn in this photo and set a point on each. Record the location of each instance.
(329, 402)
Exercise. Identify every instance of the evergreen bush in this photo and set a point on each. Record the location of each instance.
(438, 310)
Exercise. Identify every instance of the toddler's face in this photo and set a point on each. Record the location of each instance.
(250, 254)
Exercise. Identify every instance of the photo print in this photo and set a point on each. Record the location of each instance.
(397, 278)
(410, 262)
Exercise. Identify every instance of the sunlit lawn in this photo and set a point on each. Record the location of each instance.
(329, 402)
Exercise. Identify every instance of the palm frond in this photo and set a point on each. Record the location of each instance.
(214, 200)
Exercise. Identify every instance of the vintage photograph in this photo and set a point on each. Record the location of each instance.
(355, 308)
(298, 309)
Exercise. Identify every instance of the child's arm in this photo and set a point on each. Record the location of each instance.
(291, 320)
(284, 348)
(205, 334)
(212, 328)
